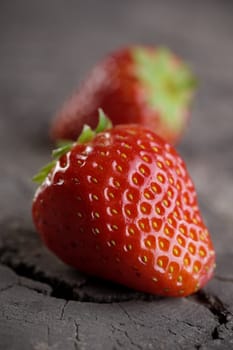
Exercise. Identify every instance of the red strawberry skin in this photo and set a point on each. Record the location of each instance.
(121, 85)
(123, 207)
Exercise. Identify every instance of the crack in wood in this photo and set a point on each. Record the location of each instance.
(77, 337)
(223, 279)
(132, 343)
(4, 289)
(63, 290)
(217, 308)
(60, 289)
(215, 305)
(63, 309)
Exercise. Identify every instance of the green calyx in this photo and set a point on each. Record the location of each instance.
(169, 83)
(42, 174)
(104, 123)
(65, 146)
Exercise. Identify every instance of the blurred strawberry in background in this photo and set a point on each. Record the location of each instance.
(146, 85)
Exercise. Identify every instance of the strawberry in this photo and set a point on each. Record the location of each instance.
(145, 85)
(120, 204)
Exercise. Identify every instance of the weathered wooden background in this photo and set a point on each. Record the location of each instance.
(46, 47)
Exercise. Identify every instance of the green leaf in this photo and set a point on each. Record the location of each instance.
(65, 146)
(86, 135)
(169, 83)
(63, 142)
(57, 153)
(104, 122)
(43, 172)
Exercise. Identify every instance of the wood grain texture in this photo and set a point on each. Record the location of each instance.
(46, 49)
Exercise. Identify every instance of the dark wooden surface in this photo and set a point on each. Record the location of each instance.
(46, 47)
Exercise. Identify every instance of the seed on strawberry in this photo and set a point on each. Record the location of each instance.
(120, 204)
(145, 85)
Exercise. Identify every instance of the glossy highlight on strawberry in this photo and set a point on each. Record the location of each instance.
(150, 86)
(120, 205)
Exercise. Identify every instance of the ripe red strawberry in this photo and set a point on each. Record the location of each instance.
(120, 204)
(145, 85)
